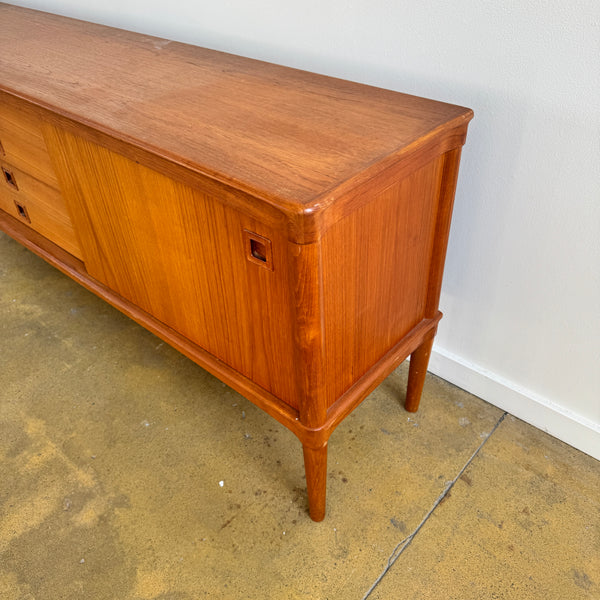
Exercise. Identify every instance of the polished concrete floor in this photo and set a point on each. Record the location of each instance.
(129, 473)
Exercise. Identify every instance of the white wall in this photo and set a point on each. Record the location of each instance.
(521, 292)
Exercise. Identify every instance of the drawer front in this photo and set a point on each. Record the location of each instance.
(38, 205)
(21, 140)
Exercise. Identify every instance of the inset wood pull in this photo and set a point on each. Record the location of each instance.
(10, 178)
(258, 249)
(2, 151)
(22, 211)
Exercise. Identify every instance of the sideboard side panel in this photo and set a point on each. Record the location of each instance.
(376, 264)
(181, 255)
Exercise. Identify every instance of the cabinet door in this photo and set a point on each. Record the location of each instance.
(183, 256)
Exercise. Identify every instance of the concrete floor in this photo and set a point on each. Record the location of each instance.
(129, 473)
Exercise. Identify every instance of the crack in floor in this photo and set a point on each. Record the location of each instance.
(405, 543)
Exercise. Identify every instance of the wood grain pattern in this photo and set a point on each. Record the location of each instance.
(285, 230)
(287, 136)
(443, 218)
(346, 403)
(307, 292)
(180, 255)
(419, 360)
(46, 209)
(376, 265)
(315, 465)
(75, 269)
(23, 141)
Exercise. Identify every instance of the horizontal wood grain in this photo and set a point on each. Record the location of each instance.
(45, 207)
(270, 215)
(281, 134)
(22, 139)
(52, 253)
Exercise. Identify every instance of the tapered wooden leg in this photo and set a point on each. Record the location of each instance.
(315, 465)
(419, 360)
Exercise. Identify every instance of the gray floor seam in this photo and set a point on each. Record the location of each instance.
(405, 543)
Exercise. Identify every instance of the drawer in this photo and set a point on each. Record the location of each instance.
(38, 205)
(22, 142)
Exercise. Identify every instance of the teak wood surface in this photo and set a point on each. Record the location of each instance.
(285, 230)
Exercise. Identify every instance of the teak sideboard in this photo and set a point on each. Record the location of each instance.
(285, 230)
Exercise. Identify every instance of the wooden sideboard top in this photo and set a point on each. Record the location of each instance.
(291, 138)
(285, 230)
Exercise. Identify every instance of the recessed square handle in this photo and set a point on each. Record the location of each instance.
(22, 211)
(258, 249)
(10, 178)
